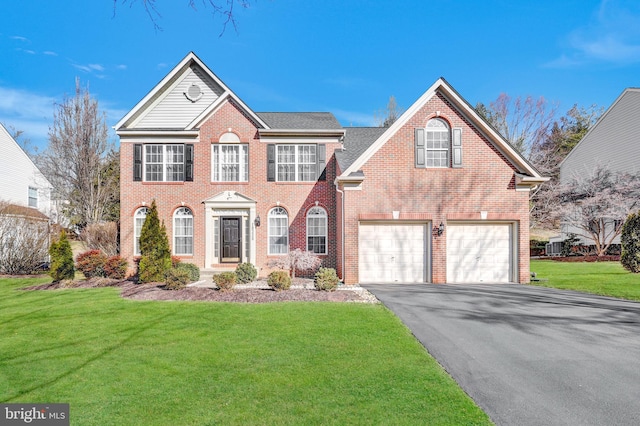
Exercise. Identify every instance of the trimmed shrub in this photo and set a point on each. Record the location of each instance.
(279, 280)
(630, 241)
(116, 267)
(326, 279)
(192, 270)
(176, 279)
(225, 280)
(246, 272)
(61, 259)
(91, 263)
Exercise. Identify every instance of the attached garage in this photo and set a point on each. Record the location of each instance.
(480, 253)
(393, 253)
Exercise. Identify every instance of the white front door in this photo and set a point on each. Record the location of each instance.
(392, 253)
(479, 253)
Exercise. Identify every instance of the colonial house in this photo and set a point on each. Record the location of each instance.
(612, 142)
(439, 196)
(21, 182)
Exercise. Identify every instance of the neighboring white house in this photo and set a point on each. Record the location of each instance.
(21, 182)
(614, 142)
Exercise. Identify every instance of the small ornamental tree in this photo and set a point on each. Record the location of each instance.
(296, 260)
(61, 259)
(155, 255)
(630, 241)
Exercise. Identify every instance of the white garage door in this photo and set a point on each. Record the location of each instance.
(479, 253)
(392, 253)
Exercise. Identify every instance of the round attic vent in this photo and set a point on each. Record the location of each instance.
(193, 93)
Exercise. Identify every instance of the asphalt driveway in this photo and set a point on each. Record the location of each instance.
(529, 355)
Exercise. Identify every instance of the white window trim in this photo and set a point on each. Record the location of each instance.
(446, 129)
(277, 213)
(34, 197)
(141, 213)
(165, 163)
(181, 213)
(243, 172)
(297, 163)
(311, 215)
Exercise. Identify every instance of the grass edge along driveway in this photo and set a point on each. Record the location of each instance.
(602, 278)
(120, 362)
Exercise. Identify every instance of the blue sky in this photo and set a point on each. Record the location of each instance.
(342, 56)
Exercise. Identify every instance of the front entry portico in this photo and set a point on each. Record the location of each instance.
(230, 229)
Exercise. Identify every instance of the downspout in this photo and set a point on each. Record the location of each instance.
(342, 225)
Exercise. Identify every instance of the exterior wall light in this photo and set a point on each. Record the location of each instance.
(438, 230)
(257, 221)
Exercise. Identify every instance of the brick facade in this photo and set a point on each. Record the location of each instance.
(386, 181)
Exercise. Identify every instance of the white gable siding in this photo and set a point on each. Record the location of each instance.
(18, 173)
(613, 142)
(174, 110)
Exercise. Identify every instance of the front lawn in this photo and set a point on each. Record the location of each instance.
(124, 362)
(603, 278)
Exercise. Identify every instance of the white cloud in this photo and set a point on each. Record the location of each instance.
(26, 111)
(121, 67)
(20, 38)
(612, 36)
(49, 53)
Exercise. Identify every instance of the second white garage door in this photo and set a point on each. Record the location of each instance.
(479, 253)
(392, 253)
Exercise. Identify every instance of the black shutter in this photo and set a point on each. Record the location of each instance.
(419, 148)
(137, 162)
(271, 163)
(456, 148)
(188, 162)
(321, 162)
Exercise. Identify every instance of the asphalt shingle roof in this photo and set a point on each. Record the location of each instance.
(300, 120)
(356, 142)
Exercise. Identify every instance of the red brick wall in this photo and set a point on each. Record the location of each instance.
(484, 183)
(296, 198)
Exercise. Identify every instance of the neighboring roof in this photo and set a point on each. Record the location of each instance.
(8, 139)
(356, 142)
(616, 127)
(441, 86)
(16, 210)
(300, 120)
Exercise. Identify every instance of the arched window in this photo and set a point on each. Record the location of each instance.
(138, 220)
(438, 143)
(183, 232)
(278, 231)
(317, 230)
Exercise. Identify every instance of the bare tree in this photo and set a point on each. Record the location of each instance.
(524, 122)
(75, 158)
(224, 8)
(24, 239)
(596, 205)
(388, 116)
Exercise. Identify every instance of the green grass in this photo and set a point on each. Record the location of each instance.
(603, 278)
(122, 362)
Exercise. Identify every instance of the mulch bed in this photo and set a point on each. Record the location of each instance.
(155, 291)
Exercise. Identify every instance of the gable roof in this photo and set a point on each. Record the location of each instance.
(524, 169)
(190, 64)
(618, 125)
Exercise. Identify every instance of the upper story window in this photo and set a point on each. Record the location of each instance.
(230, 163)
(296, 163)
(33, 197)
(317, 230)
(436, 148)
(278, 231)
(163, 162)
(183, 231)
(138, 221)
